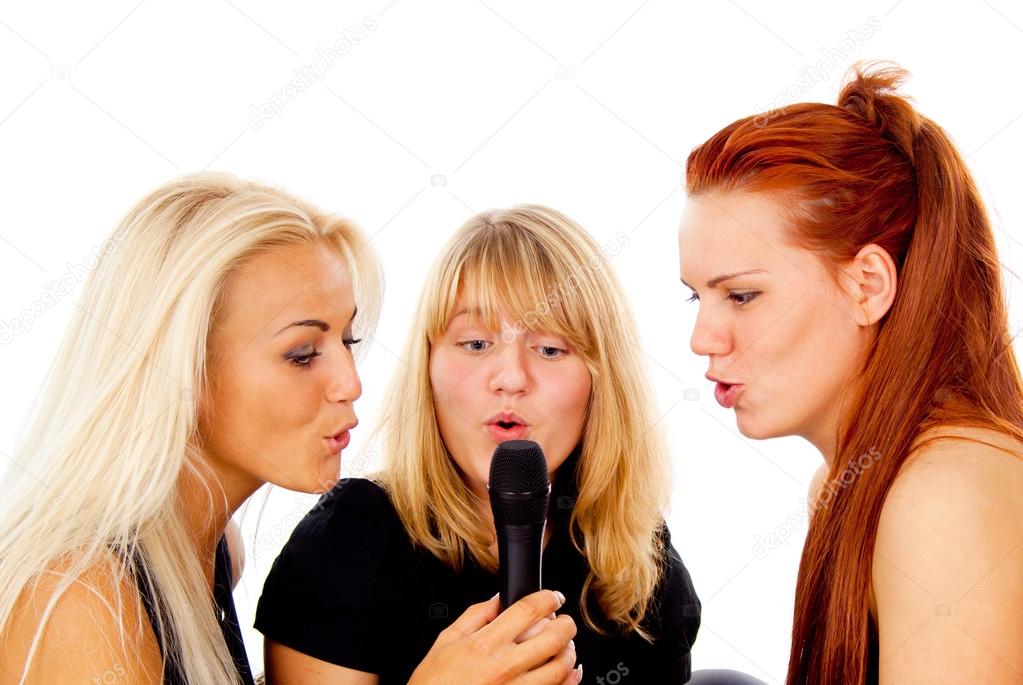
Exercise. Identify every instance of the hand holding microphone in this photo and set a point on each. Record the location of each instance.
(526, 643)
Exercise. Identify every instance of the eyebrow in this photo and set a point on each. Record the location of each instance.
(468, 311)
(322, 325)
(712, 283)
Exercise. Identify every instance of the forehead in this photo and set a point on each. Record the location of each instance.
(723, 233)
(309, 280)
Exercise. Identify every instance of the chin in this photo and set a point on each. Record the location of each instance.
(753, 429)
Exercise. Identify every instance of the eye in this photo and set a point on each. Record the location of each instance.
(351, 342)
(551, 352)
(743, 298)
(693, 298)
(475, 345)
(304, 361)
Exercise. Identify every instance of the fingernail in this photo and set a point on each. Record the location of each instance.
(571, 643)
(495, 596)
(580, 678)
(561, 597)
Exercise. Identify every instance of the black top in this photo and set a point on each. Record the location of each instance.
(349, 588)
(873, 662)
(226, 616)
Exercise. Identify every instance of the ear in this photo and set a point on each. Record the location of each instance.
(870, 279)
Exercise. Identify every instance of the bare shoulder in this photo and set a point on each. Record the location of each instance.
(820, 476)
(948, 561)
(95, 631)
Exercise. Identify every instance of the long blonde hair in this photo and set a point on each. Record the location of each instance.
(549, 274)
(114, 430)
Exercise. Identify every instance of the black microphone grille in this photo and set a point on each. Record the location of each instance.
(518, 466)
(519, 484)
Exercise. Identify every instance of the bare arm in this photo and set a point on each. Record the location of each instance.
(82, 641)
(948, 569)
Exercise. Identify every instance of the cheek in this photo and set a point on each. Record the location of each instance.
(566, 400)
(805, 360)
(264, 410)
(451, 381)
(459, 379)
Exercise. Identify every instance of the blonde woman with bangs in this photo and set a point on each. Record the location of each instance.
(211, 352)
(521, 332)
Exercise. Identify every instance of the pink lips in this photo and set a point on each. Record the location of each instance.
(500, 434)
(336, 443)
(507, 426)
(726, 394)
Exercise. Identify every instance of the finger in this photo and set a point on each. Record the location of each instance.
(535, 629)
(519, 616)
(472, 619)
(561, 670)
(554, 639)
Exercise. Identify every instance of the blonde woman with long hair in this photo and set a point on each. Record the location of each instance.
(184, 383)
(521, 332)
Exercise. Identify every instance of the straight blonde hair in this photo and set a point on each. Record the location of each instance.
(546, 271)
(114, 429)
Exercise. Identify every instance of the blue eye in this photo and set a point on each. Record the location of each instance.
(551, 352)
(475, 345)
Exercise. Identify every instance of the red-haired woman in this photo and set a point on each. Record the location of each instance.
(850, 293)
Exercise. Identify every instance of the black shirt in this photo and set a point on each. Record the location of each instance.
(349, 588)
(225, 612)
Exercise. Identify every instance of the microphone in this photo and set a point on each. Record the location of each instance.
(520, 491)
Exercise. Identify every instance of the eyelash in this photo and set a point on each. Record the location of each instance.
(544, 347)
(733, 296)
(306, 360)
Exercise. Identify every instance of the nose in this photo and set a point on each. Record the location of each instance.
(510, 373)
(710, 336)
(345, 385)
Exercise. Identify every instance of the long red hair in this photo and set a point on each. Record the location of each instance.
(873, 170)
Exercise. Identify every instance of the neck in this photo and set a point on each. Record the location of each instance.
(209, 499)
(822, 431)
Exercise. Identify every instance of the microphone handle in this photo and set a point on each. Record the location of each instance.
(520, 550)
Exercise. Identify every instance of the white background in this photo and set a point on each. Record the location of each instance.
(436, 111)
